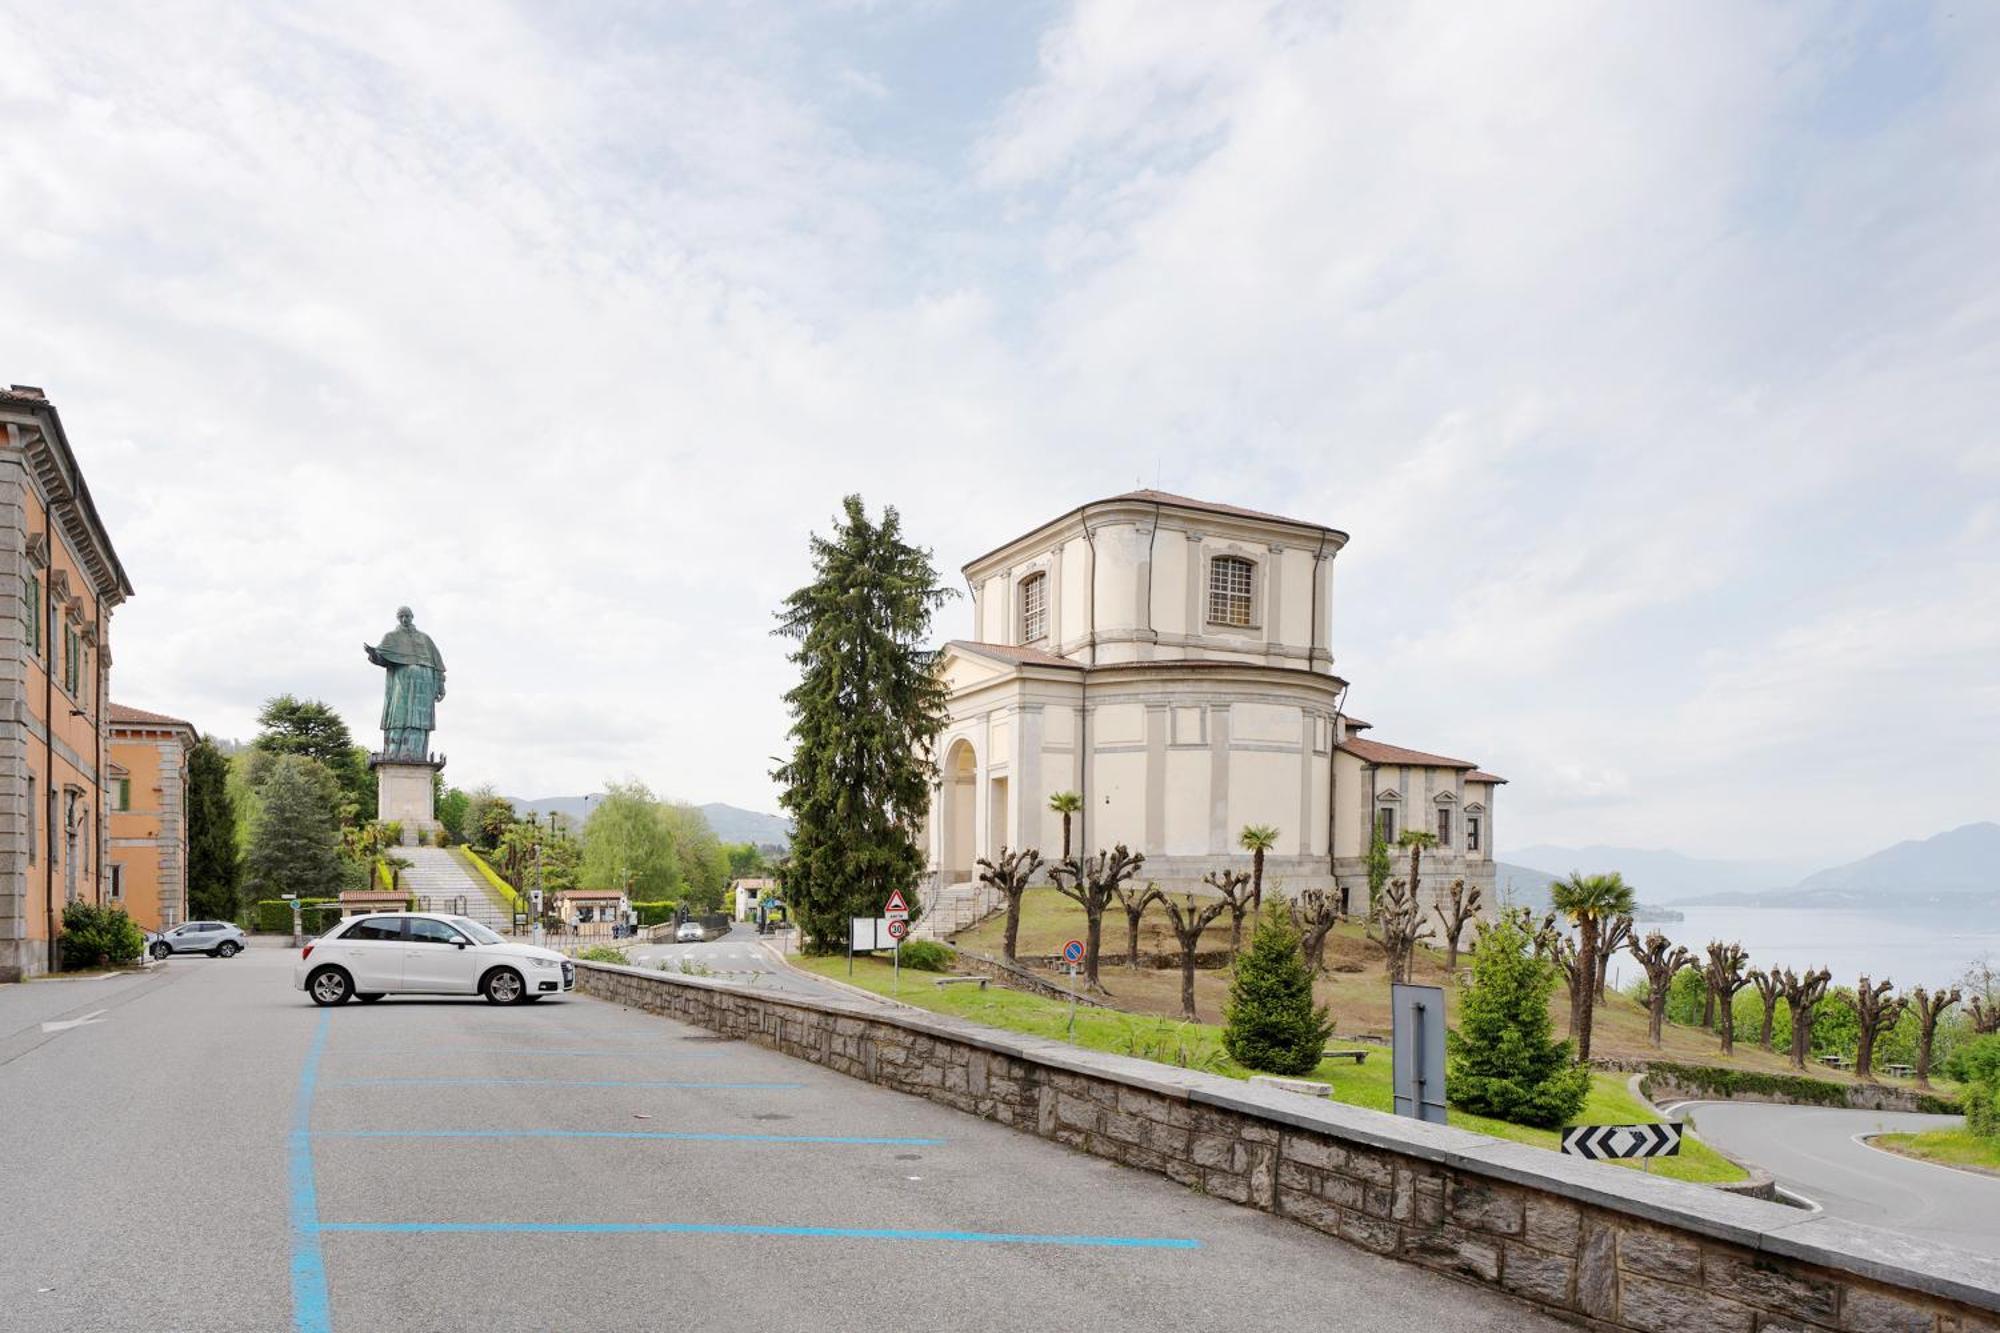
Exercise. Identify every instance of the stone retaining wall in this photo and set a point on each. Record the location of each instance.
(1607, 1247)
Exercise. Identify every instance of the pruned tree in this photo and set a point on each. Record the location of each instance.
(1564, 954)
(1189, 921)
(1803, 995)
(1662, 960)
(1618, 933)
(1315, 912)
(1725, 976)
(1230, 884)
(1985, 1015)
(1092, 883)
(1009, 874)
(1462, 906)
(1769, 987)
(1416, 842)
(1929, 1008)
(1400, 926)
(1257, 839)
(1066, 804)
(1589, 901)
(1876, 1012)
(1135, 901)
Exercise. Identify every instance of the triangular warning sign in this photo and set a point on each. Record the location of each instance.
(896, 902)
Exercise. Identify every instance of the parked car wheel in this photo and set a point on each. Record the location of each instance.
(503, 985)
(227, 949)
(369, 997)
(161, 949)
(330, 985)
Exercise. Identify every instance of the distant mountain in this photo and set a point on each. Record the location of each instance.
(731, 823)
(1661, 876)
(1959, 868)
(1520, 886)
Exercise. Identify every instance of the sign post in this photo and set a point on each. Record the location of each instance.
(298, 927)
(1417, 1024)
(1072, 955)
(897, 909)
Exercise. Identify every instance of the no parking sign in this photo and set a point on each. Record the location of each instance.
(1073, 953)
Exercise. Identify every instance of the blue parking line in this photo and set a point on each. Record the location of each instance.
(725, 1229)
(544, 1083)
(311, 1310)
(669, 1135)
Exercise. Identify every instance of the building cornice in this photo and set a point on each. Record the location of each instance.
(34, 429)
(1189, 517)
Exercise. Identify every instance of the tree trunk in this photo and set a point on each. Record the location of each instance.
(1586, 993)
(1065, 855)
(1728, 1024)
(1093, 938)
(1656, 1015)
(1187, 979)
(1708, 1004)
(1864, 1055)
(1770, 1018)
(1801, 1033)
(1013, 927)
(1235, 933)
(1926, 1034)
(1132, 940)
(1257, 880)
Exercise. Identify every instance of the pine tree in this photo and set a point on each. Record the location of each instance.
(1273, 1024)
(1504, 1059)
(295, 847)
(866, 715)
(215, 870)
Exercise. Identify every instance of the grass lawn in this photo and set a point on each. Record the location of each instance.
(1953, 1147)
(1199, 1046)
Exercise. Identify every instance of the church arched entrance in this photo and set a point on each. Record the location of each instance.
(958, 794)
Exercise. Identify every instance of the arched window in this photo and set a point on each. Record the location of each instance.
(1231, 580)
(1034, 608)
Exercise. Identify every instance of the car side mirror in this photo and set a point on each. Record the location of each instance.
(461, 943)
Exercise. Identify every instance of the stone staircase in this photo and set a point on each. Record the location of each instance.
(442, 884)
(954, 907)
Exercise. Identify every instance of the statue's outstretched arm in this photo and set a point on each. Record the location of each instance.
(373, 656)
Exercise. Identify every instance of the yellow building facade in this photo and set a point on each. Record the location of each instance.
(60, 583)
(147, 796)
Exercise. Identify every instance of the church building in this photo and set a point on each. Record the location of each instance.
(1171, 661)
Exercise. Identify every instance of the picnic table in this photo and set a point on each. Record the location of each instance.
(1834, 1061)
(1900, 1071)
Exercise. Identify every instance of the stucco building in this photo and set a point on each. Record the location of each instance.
(147, 795)
(1171, 661)
(60, 580)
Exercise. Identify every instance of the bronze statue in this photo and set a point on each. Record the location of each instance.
(411, 693)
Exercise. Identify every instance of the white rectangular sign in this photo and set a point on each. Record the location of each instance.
(869, 932)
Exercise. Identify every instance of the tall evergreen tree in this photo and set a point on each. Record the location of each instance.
(295, 847)
(866, 715)
(1504, 1060)
(1273, 1023)
(288, 724)
(214, 868)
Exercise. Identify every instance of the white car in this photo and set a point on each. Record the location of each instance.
(690, 932)
(426, 953)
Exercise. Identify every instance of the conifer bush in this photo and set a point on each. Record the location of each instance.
(1272, 1023)
(1504, 1061)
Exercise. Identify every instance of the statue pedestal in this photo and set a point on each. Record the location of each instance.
(404, 795)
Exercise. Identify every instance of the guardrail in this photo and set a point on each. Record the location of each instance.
(1590, 1242)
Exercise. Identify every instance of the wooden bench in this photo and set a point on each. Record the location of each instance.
(1358, 1057)
(962, 981)
(1900, 1071)
(1833, 1061)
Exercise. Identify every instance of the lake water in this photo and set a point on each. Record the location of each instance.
(1912, 949)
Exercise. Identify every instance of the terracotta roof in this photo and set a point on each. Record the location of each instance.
(1375, 752)
(120, 714)
(1484, 777)
(1172, 501)
(1356, 724)
(1008, 652)
(591, 893)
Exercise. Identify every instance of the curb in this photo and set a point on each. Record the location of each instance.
(1761, 1185)
(856, 991)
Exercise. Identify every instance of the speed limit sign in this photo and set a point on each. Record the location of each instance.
(898, 929)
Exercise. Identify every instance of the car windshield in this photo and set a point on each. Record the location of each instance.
(479, 933)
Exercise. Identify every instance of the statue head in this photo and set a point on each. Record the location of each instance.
(404, 617)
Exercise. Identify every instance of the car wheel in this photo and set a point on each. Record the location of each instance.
(369, 997)
(329, 985)
(227, 949)
(162, 950)
(503, 985)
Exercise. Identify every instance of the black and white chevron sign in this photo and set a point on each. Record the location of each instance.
(1599, 1141)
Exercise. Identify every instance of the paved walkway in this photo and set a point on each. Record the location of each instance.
(216, 1153)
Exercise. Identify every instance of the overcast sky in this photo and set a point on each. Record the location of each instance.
(1648, 352)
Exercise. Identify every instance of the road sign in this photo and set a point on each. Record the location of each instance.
(1601, 1141)
(898, 928)
(1417, 1025)
(1073, 952)
(898, 908)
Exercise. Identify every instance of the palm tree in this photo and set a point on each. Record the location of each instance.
(1416, 840)
(1066, 804)
(1257, 839)
(1589, 901)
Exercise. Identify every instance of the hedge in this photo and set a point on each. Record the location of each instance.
(477, 864)
(273, 916)
(1713, 1081)
(656, 913)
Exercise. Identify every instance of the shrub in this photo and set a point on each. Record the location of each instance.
(1714, 1081)
(927, 956)
(1271, 1021)
(1504, 1060)
(273, 916)
(1975, 1061)
(94, 936)
(602, 953)
(655, 913)
(1982, 1109)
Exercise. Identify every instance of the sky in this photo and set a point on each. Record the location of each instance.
(1647, 352)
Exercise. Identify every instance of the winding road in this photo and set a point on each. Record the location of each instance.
(1816, 1152)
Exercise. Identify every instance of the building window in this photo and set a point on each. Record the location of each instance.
(117, 882)
(121, 794)
(31, 611)
(33, 822)
(1034, 608)
(72, 647)
(1472, 833)
(1230, 581)
(55, 830)
(1444, 827)
(1385, 823)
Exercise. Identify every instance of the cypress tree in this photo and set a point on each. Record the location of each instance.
(295, 846)
(1504, 1059)
(866, 714)
(214, 868)
(1273, 1024)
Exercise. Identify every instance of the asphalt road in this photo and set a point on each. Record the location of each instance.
(1813, 1151)
(213, 1152)
(738, 956)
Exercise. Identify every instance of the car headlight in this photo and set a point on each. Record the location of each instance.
(543, 962)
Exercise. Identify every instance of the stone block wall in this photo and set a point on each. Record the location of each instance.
(1603, 1246)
